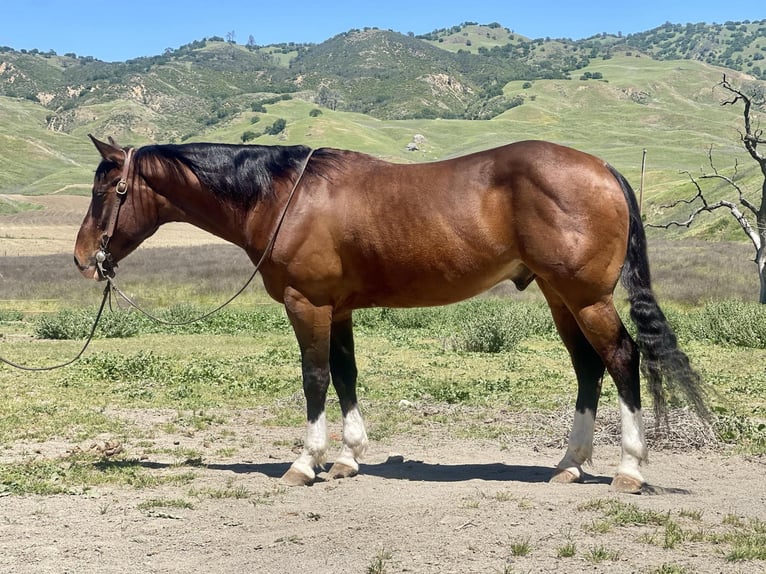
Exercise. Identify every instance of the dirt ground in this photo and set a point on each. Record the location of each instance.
(429, 502)
(424, 503)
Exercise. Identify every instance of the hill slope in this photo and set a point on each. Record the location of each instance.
(375, 90)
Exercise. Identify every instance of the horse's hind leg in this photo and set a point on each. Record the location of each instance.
(597, 339)
(589, 369)
(603, 328)
(344, 372)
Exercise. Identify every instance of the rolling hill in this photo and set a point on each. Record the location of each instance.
(460, 89)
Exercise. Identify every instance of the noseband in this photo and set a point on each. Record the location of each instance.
(104, 259)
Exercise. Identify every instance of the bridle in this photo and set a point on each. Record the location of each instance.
(104, 259)
(107, 271)
(103, 255)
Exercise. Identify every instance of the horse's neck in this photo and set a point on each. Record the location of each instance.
(190, 202)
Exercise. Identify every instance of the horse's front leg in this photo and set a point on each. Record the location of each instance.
(312, 329)
(344, 372)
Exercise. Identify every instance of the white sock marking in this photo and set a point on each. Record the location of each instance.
(315, 447)
(354, 439)
(634, 449)
(580, 448)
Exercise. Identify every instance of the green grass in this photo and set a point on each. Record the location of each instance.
(380, 562)
(79, 472)
(520, 548)
(568, 550)
(599, 554)
(154, 503)
(743, 538)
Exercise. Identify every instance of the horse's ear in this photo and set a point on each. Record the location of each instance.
(109, 151)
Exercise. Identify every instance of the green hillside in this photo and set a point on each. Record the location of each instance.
(460, 89)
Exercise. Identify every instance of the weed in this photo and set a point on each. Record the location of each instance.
(748, 540)
(621, 513)
(239, 492)
(380, 562)
(674, 535)
(692, 514)
(567, 551)
(165, 503)
(504, 496)
(601, 554)
(521, 548)
(670, 569)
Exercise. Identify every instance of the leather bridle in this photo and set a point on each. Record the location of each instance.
(104, 259)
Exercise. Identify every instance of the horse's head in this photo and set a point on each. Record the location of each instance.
(120, 216)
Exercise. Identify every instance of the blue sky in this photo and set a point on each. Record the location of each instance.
(116, 31)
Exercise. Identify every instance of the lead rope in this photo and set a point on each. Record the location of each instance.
(111, 286)
(85, 346)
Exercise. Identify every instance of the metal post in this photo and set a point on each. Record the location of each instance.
(641, 189)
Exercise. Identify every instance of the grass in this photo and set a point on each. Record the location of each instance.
(599, 554)
(598, 117)
(568, 550)
(520, 547)
(176, 503)
(380, 562)
(459, 364)
(743, 538)
(487, 353)
(670, 568)
(78, 473)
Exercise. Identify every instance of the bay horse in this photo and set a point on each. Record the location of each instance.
(362, 232)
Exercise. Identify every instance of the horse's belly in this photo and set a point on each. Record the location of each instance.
(443, 286)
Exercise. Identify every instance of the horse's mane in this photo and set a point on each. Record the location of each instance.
(241, 173)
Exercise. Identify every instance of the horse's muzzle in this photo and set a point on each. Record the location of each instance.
(95, 270)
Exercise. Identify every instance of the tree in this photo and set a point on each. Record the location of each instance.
(277, 127)
(751, 138)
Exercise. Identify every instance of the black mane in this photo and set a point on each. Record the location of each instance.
(241, 173)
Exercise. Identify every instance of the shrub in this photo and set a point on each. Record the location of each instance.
(71, 324)
(491, 326)
(727, 322)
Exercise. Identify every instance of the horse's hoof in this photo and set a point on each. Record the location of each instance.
(296, 478)
(564, 476)
(627, 484)
(340, 470)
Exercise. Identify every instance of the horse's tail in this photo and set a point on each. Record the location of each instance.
(661, 359)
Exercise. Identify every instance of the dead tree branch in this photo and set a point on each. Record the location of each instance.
(710, 207)
(751, 137)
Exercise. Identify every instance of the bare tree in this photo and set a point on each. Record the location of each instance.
(743, 210)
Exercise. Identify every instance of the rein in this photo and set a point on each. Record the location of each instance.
(103, 256)
(85, 346)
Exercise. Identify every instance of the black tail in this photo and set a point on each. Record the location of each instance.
(661, 359)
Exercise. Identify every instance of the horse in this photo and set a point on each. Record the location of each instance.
(335, 230)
